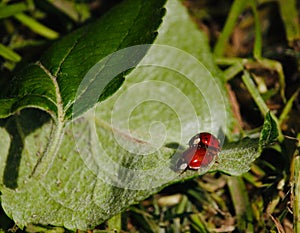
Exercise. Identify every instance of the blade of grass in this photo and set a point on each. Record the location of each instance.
(145, 219)
(177, 213)
(258, 212)
(259, 100)
(258, 37)
(228, 61)
(289, 16)
(272, 65)
(252, 180)
(12, 9)
(254, 93)
(197, 223)
(277, 66)
(277, 224)
(9, 54)
(27, 43)
(180, 208)
(296, 193)
(237, 7)
(241, 203)
(36, 26)
(233, 70)
(287, 108)
(250, 63)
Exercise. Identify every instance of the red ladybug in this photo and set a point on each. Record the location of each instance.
(205, 140)
(203, 148)
(194, 158)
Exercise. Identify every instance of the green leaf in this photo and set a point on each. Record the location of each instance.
(269, 132)
(126, 147)
(236, 158)
(47, 84)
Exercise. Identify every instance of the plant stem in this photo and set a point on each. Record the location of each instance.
(36, 26)
(233, 70)
(289, 15)
(237, 7)
(258, 37)
(296, 194)
(254, 93)
(288, 107)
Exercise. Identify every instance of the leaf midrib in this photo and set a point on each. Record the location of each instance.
(59, 103)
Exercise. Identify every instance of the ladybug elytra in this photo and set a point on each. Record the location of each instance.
(205, 140)
(203, 147)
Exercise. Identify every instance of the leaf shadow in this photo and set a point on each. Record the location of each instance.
(18, 127)
(176, 158)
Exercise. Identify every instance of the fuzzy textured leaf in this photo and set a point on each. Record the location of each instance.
(126, 147)
(269, 131)
(236, 157)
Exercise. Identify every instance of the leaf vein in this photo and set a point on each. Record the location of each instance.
(66, 56)
(59, 102)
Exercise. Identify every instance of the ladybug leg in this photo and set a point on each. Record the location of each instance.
(183, 167)
(183, 171)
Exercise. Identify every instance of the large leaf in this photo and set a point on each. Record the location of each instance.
(128, 146)
(51, 83)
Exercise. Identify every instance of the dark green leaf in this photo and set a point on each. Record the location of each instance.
(269, 132)
(51, 83)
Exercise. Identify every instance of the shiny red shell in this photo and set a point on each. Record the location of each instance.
(194, 157)
(203, 147)
(205, 140)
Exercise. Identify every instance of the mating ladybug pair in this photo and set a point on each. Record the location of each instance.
(203, 147)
